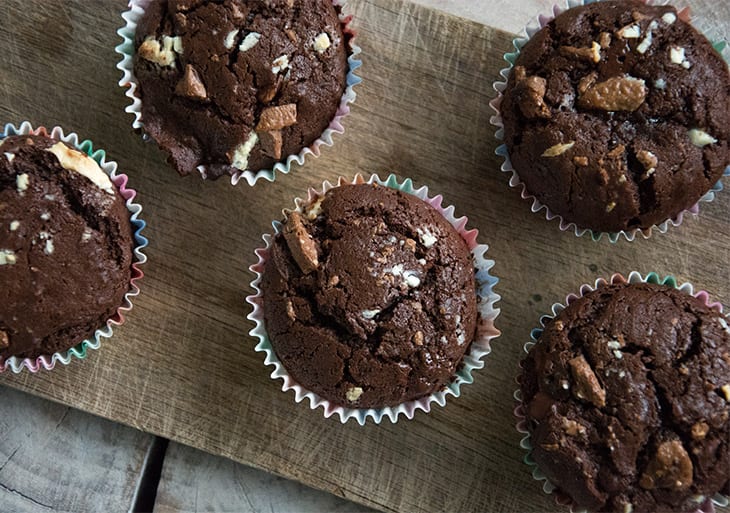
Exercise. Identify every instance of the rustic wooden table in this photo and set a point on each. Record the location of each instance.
(53, 457)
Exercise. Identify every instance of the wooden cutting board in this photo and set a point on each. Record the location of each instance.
(183, 366)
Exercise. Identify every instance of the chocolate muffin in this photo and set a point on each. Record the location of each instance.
(617, 115)
(238, 84)
(65, 247)
(369, 297)
(627, 395)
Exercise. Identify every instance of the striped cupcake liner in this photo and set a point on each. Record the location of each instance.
(496, 120)
(472, 361)
(80, 350)
(129, 82)
(704, 504)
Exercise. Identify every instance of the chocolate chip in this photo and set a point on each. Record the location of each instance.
(587, 386)
(190, 85)
(301, 244)
(671, 467)
(531, 94)
(277, 117)
(271, 143)
(623, 93)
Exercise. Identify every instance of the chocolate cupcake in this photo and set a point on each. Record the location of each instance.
(369, 303)
(626, 398)
(616, 116)
(240, 85)
(67, 247)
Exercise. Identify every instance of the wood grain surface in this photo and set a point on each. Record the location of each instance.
(55, 458)
(194, 481)
(183, 365)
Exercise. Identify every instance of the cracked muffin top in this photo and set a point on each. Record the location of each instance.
(369, 297)
(238, 84)
(617, 115)
(65, 247)
(627, 395)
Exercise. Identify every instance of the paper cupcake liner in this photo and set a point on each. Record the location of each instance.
(530, 30)
(704, 504)
(480, 347)
(81, 349)
(129, 82)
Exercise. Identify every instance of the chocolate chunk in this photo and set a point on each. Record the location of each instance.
(190, 85)
(277, 117)
(615, 94)
(587, 386)
(303, 248)
(671, 467)
(271, 143)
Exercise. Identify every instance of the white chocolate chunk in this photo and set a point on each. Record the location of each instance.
(9, 156)
(660, 83)
(82, 164)
(411, 279)
(249, 41)
(86, 236)
(230, 39)
(322, 42)
(369, 314)
(630, 32)
(14, 225)
(280, 64)
(48, 250)
(45, 216)
(176, 41)
(669, 18)
(240, 155)
(676, 55)
(700, 138)
(7, 257)
(161, 54)
(558, 149)
(315, 209)
(427, 237)
(353, 394)
(21, 182)
(645, 44)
